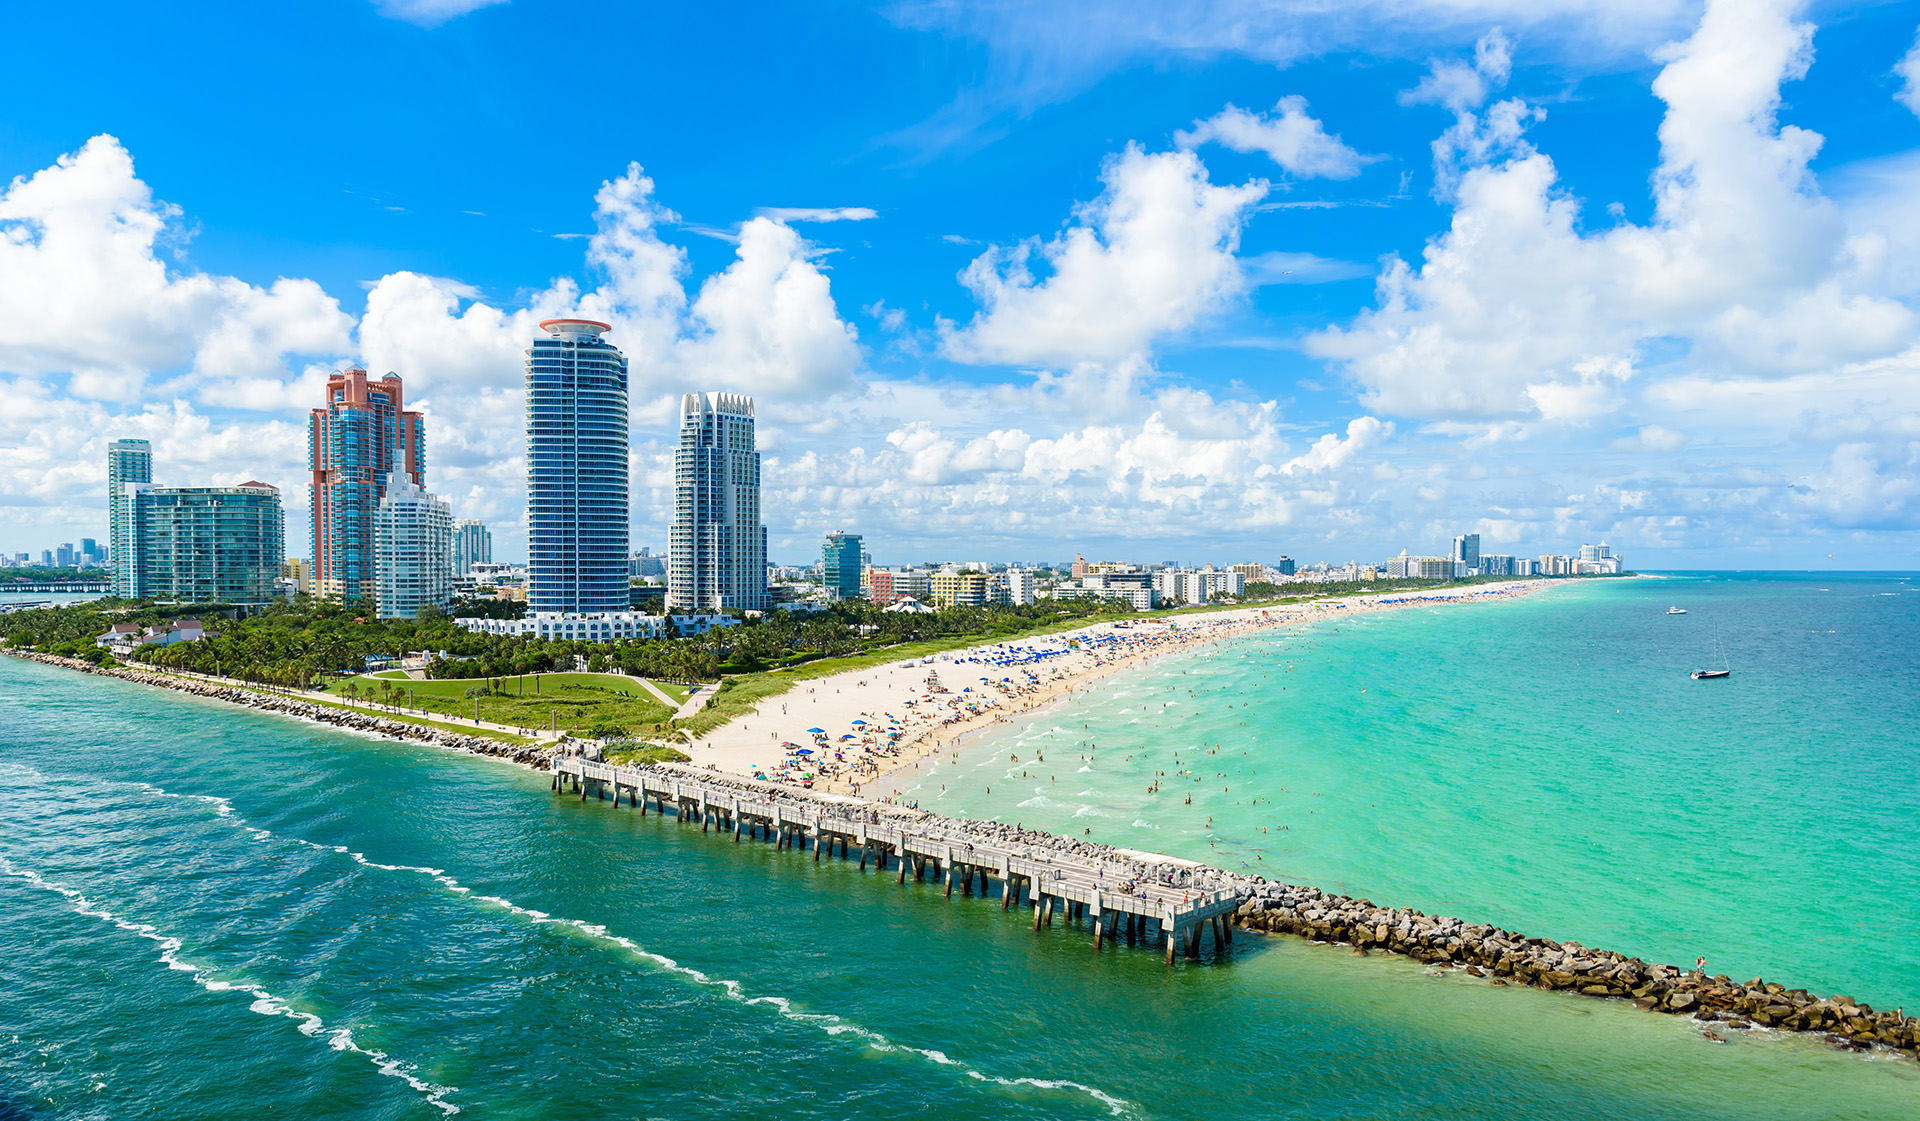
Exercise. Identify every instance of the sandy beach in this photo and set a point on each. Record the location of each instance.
(848, 732)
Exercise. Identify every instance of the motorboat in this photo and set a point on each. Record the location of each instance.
(1676, 611)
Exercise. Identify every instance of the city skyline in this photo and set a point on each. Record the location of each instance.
(1317, 300)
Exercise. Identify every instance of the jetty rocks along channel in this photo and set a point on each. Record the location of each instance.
(1121, 893)
(532, 755)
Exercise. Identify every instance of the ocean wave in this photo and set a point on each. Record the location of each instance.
(264, 1003)
(828, 1023)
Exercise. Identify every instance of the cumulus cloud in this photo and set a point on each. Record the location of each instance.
(768, 323)
(1518, 312)
(1154, 253)
(1291, 138)
(83, 292)
(430, 13)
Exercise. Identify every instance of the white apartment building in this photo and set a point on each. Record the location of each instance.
(412, 549)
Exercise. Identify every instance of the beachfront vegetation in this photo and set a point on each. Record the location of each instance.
(528, 682)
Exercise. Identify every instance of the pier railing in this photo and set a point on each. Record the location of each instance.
(1032, 870)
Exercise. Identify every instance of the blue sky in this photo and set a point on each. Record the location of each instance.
(1202, 281)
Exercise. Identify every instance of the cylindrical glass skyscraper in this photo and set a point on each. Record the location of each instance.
(576, 470)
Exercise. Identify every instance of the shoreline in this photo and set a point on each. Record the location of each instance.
(933, 719)
(527, 755)
(1499, 956)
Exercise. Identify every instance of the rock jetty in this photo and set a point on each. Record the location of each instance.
(1482, 950)
(528, 754)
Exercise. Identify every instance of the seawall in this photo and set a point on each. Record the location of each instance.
(267, 701)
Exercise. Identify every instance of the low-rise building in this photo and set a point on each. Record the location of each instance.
(601, 626)
(961, 589)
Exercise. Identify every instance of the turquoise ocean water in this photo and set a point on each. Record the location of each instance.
(210, 912)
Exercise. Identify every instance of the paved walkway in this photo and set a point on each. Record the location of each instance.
(698, 700)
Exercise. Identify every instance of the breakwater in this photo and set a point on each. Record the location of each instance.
(1097, 882)
(267, 701)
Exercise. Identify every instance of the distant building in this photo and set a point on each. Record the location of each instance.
(1466, 551)
(472, 544)
(598, 626)
(1249, 572)
(644, 563)
(1021, 586)
(412, 550)
(717, 544)
(206, 544)
(576, 391)
(65, 557)
(1431, 568)
(840, 566)
(1137, 597)
(960, 589)
(1287, 566)
(1079, 566)
(356, 440)
(128, 462)
(299, 572)
(89, 551)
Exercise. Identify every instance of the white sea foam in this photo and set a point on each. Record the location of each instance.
(264, 1002)
(826, 1022)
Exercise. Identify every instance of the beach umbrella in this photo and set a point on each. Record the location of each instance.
(804, 751)
(818, 731)
(859, 723)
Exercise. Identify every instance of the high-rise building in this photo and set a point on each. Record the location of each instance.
(64, 556)
(472, 544)
(207, 544)
(717, 548)
(361, 436)
(840, 565)
(576, 470)
(89, 551)
(412, 550)
(1466, 550)
(128, 462)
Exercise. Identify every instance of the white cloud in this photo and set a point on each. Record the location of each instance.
(770, 324)
(430, 13)
(1462, 86)
(83, 293)
(1154, 253)
(1295, 141)
(1517, 312)
(818, 213)
(1908, 68)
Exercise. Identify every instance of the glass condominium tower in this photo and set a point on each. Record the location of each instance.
(717, 548)
(128, 462)
(362, 435)
(576, 470)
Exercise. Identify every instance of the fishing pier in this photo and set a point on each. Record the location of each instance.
(1030, 870)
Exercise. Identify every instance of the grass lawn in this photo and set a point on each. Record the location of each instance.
(573, 702)
(404, 717)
